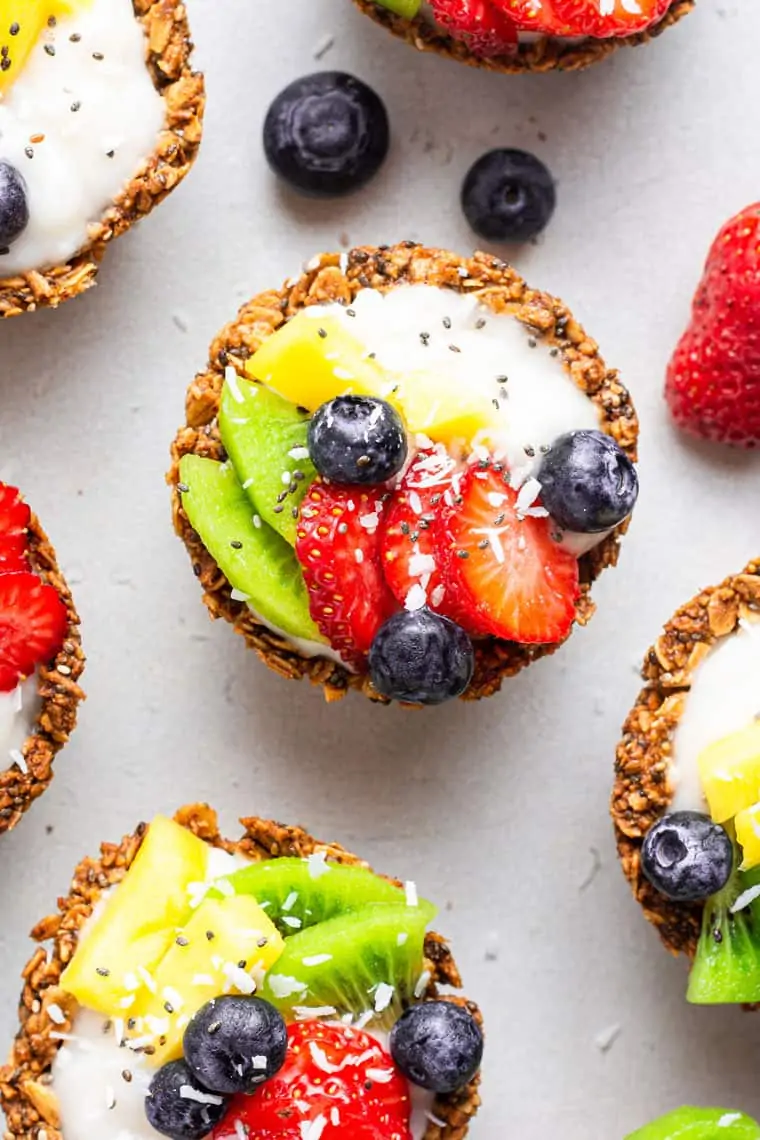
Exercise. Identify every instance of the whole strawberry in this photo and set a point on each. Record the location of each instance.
(480, 24)
(713, 380)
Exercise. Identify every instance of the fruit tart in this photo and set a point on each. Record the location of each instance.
(273, 987)
(699, 1124)
(686, 802)
(41, 658)
(525, 35)
(402, 472)
(100, 118)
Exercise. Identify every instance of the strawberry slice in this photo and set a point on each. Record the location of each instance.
(605, 19)
(337, 1083)
(507, 575)
(480, 24)
(540, 16)
(33, 625)
(14, 519)
(338, 546)
(13, 549)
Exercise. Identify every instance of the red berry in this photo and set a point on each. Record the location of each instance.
(713, 380)
(339, 1080)
(480, 24)
(13, 549)
(338, 546)
(33, 624)
(508, 576)
(14, 520)
(606, 19)
(539, 16)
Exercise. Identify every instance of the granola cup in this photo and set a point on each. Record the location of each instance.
(28, 1101)
(59, 693)
(643, 791)
(169, 51)
(544, 54)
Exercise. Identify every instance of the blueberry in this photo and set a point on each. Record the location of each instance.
(14, 205)
(437, 1045)
(687, 857)
(357, 439)
(326, 134)
(588, 483)
(177, 1115)
(421, 657)
(508, 195)
(233, 1044)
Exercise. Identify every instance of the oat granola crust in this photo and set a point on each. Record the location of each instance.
(169, 50)
(545, 54)
(336, 277)
(25, 1094)
(59, 692)
(642, 792)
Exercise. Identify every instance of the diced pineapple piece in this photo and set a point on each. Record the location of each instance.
(139, 920)
(442, 409)
(224, 943)
(730, 773)
(747, 825)
(30, 18)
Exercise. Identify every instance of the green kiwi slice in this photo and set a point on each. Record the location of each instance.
(367, 963)
(699, 1124)
(727, 963)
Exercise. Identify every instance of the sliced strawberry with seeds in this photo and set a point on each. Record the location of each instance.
(481, 24)
(605, 19)
(14, 513)
(507, 575)
(33, 623)
(338, 546)
(539, 16)
(13, 548)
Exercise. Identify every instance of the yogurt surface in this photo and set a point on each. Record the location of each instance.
(19, 710)
(92, 103)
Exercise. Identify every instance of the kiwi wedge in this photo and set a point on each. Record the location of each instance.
(298, 893)
(726, 967)
(265, 438)
(699, 1124)
(369, 962)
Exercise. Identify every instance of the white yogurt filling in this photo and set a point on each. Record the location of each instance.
(95, 103)
(724, 698)
(19, 710)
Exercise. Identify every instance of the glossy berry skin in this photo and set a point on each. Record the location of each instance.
(226, 1034)
(588, 483)
(508, 195)
(479, 24)
(14, 205)
(686, 856)
(437, 1045)
(174, 1115)
(326, 134)
(357, 439)
(421, 657)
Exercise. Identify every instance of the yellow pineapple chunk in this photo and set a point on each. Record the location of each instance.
(730, 772)
(31, 18)
(224, 947)
(138, 922)
(747, 824)
(443, 409)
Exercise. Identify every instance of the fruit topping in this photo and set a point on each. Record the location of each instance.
(338, 546)
(14, 520)
(729, 772)
(369, 963)
(177, 1106)
(406, 8)
(14, 205)
(508, 195)
(257, 562)
(478, 23)
(747, 827)
(226, 945)
(298, 893)
(337, 1084)
(504, 573)
(726, 967)
(713, 380)
(605, 19)
(139, 920)
(234, 1044)
(422, 658)
(686, 856)
(539, 16)
(588, 483)
(699, 1124)
(264, 436)
(33, 624)
(357, 439)
(326, 134)
(437, 1045)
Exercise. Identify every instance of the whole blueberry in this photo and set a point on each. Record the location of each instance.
(326, 134)
(686, 856)
(233, 1044)
(437, 1045)
(421, 657)
(588, 483)
(508, 195)
(176, 1105)
(14, 205)
(357, 439)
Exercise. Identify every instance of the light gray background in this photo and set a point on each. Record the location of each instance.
(495, 809)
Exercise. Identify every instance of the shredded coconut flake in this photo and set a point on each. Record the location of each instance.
(299, 453)
(313, 1129)
(380, 1076)
(416, 598)
(187, 1092)
(317, 864)
(314, 1012)
(745, 898)
(383, 997)
(411, 894)
(239, 978)
(17, 758)
(527, 496)
(231, 379)
(291, 921)
(422, 983)
(282, 985)
(290, 901)
(259, 1062)
(147, 978)
(56, 1014)
(316, 959)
